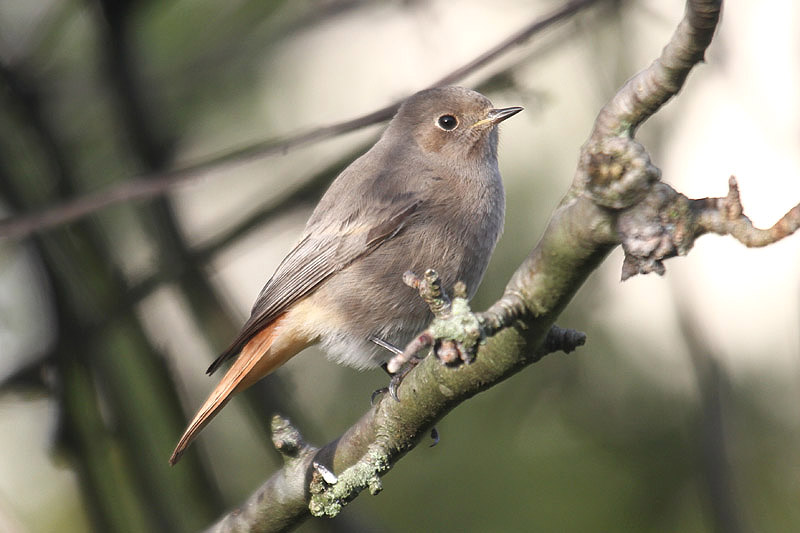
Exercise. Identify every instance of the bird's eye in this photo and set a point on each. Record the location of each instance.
(447, 122)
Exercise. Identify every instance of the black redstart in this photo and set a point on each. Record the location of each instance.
(427, 195)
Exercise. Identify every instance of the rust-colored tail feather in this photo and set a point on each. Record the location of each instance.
(255, 361)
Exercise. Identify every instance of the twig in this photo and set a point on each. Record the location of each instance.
(157, 183)
(456, 332)
(725, 216)
(666, 224)
(565, 11)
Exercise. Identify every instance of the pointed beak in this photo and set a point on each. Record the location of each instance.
(496, 116)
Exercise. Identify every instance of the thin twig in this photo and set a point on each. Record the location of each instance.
(725, 216)
(666, 223)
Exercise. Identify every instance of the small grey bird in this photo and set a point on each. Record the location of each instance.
(427, 195)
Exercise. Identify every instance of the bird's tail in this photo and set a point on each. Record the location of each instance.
(256, 360)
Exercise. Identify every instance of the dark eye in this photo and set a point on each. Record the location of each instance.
(447, 122)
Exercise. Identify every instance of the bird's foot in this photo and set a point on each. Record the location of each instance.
(396, 379)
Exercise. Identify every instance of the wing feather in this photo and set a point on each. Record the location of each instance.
(317, 256)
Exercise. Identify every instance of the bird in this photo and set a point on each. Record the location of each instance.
(427, 195)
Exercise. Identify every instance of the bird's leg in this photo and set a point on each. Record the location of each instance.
(386, 346)
(399, 376)
(396, 377)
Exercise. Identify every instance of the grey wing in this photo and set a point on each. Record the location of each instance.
(317, 256)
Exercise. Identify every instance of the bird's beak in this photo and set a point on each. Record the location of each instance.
(496, 116)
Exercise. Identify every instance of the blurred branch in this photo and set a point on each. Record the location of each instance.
(153, 149)
(565, 11)
(615, 198)
(157, 183)
(713, 443)
(27, 100)
(306, 192)
(83, 286)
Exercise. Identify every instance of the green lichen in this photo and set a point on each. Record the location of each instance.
(329, 499)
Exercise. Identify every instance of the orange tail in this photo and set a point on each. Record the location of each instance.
(258, 358)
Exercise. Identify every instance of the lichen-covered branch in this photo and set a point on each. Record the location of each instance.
(278, 503)
(616, 198)
(456, 333)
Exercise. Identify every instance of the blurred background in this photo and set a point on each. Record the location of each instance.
(680, 414)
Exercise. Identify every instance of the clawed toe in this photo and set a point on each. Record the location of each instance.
(395, 381)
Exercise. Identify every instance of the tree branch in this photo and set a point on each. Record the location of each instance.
(615, 198)
(158, 183)
(667, 223)
(647, 91)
